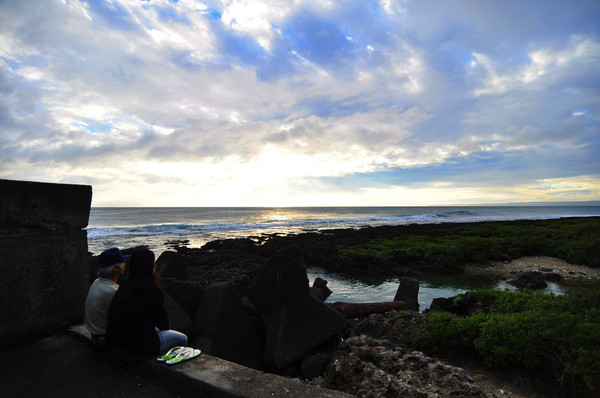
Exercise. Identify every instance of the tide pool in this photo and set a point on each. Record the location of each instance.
(366, 289)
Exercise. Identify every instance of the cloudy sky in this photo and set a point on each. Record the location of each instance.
(303, 102)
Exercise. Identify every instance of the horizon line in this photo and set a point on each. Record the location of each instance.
(499, 204)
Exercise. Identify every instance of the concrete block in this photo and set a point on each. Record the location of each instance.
(43, 205)
(281, 281)
(224, 329)
(298, 328)
(44, 283)
(408, 292)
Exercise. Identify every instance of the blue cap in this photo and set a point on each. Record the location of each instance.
(111, 257)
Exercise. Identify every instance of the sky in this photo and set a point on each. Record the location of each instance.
(303, 102)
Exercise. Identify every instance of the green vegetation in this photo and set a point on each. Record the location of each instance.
(576, 240)
(556, 336)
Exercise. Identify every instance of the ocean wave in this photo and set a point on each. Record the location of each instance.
(294, 225)
(455, 213)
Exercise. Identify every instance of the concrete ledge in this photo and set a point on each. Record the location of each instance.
(208, 376)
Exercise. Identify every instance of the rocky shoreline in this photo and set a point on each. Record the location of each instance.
(248, 301)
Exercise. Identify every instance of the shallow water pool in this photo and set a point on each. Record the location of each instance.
(366, 289)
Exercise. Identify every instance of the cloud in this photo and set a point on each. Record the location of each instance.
(284, 102)
(544, 64)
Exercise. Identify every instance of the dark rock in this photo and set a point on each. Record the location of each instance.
(408, 291)
(170, 265)
(316, 293)
(177, 244)
(256, 319)
(281, 281)
(187, 294)
(239, 244)
(208, 267)
(321, 284)
(364, 263)
(242, 282)
(315, 365)
(553, 277)
(321, 254)
(223, 328)
(298, 328)
(355, 310)
(529, 280)
(372, 368)
(442, 303)
(462, 304)
(178, 318)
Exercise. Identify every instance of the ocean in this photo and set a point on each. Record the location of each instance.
(154, 227)
(160, 227)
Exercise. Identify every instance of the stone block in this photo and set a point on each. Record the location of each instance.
(44, 206)
(408, 291)
(178, 319)
(44, 283)
(171, 265)
(187, 294)
(224, 329)
(298, 328)
(281, 281)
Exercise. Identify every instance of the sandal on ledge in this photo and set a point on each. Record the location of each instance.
(170, 354)
(184, 355)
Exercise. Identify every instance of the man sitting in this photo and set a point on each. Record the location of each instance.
(111, 267)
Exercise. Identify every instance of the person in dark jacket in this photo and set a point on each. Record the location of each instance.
(138, 325)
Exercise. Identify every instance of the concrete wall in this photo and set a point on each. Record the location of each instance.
(43, 258)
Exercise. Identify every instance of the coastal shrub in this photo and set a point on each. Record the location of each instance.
(441, 333)
(557, 335)
(574, 240)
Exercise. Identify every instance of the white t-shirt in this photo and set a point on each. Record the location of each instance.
(96, 305)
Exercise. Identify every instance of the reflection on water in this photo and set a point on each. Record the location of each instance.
(365, 289)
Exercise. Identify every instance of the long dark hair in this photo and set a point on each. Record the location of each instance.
(141, 264)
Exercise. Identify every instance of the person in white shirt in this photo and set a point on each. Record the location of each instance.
(111, 267)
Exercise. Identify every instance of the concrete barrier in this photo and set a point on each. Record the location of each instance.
(207, 377)
(43, 258)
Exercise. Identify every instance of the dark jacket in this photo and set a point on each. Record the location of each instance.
(136, 309)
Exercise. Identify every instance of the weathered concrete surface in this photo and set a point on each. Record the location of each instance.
(43, 286)
(43, 258)
(44, 205)
(207, 376)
